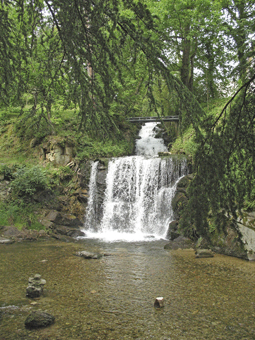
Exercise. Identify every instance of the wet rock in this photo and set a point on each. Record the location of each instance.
(173, 235)
(37, 319)
(246, 227)
(228, 242)
(52, 215)
(172, 232)
(46, 223)
(83, 196)
(16, 235)
(62, 238)
(180, 242)
(11, 231)
(67, 220)
(83, 174)
(179, 201)
(164, 154)
(5, 241)
(75, 233)
(87, 255)
(35, 286)
(204, 253)
(62, 230)
(48, 199)
(66, 231)
(183, 182)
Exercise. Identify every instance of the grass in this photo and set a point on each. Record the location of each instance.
(16, 136)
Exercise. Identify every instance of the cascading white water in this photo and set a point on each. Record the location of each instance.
(138, 195)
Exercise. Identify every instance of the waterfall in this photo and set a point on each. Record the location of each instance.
(138, 193)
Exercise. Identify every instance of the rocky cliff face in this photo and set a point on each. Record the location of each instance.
(237, 239)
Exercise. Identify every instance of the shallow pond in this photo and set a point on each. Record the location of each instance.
(113, 297)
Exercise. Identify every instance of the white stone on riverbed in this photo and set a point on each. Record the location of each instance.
(5, 241)
(88, 255)
(159, 302)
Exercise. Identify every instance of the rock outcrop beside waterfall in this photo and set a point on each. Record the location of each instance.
(237, 239)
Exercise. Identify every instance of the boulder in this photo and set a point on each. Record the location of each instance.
(62, 230)
(180, 242)
(173, 235)
(172, 230)
(75, 233)
(52, 215)
(228, 243)
(183, 182)
(37, 319)
(246, 228)
(48, 199)
(11, 231)
(5, 241)
(204, 253)
(179, 201)
(46, 223)
(59, 154)
(67, 220)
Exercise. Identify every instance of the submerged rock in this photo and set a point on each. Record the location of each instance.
(180, 242)
(37, 319)
(87, 255)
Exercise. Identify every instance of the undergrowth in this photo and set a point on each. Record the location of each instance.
(20, 214)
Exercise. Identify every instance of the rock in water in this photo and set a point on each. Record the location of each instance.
(203, 253)
(37, 319)
(35, 286)
(88, 255)
(159, 302)
(5, 241)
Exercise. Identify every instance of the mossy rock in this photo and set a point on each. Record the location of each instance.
(38, 319)
(179, 202)
(184, 182)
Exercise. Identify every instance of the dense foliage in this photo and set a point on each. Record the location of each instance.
(224, 166)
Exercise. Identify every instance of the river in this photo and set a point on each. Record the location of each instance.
(113, 297)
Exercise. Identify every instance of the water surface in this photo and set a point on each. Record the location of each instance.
(112, 298)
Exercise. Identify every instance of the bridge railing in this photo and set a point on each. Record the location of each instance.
(153, 119)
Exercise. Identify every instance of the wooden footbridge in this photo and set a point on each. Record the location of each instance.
(153, 119)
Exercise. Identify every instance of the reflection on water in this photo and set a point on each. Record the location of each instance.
(112, 298)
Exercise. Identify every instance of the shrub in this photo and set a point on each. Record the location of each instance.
(19, 214)
(6, 171)
(29, 180)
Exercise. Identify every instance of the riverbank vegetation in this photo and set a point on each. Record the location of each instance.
(72, 72)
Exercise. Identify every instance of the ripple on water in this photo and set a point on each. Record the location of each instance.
(112, 298)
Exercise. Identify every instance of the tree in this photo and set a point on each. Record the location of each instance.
(185, 24)
(224, 165)
(240, 27)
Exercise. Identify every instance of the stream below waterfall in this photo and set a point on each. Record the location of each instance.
(112, 298)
